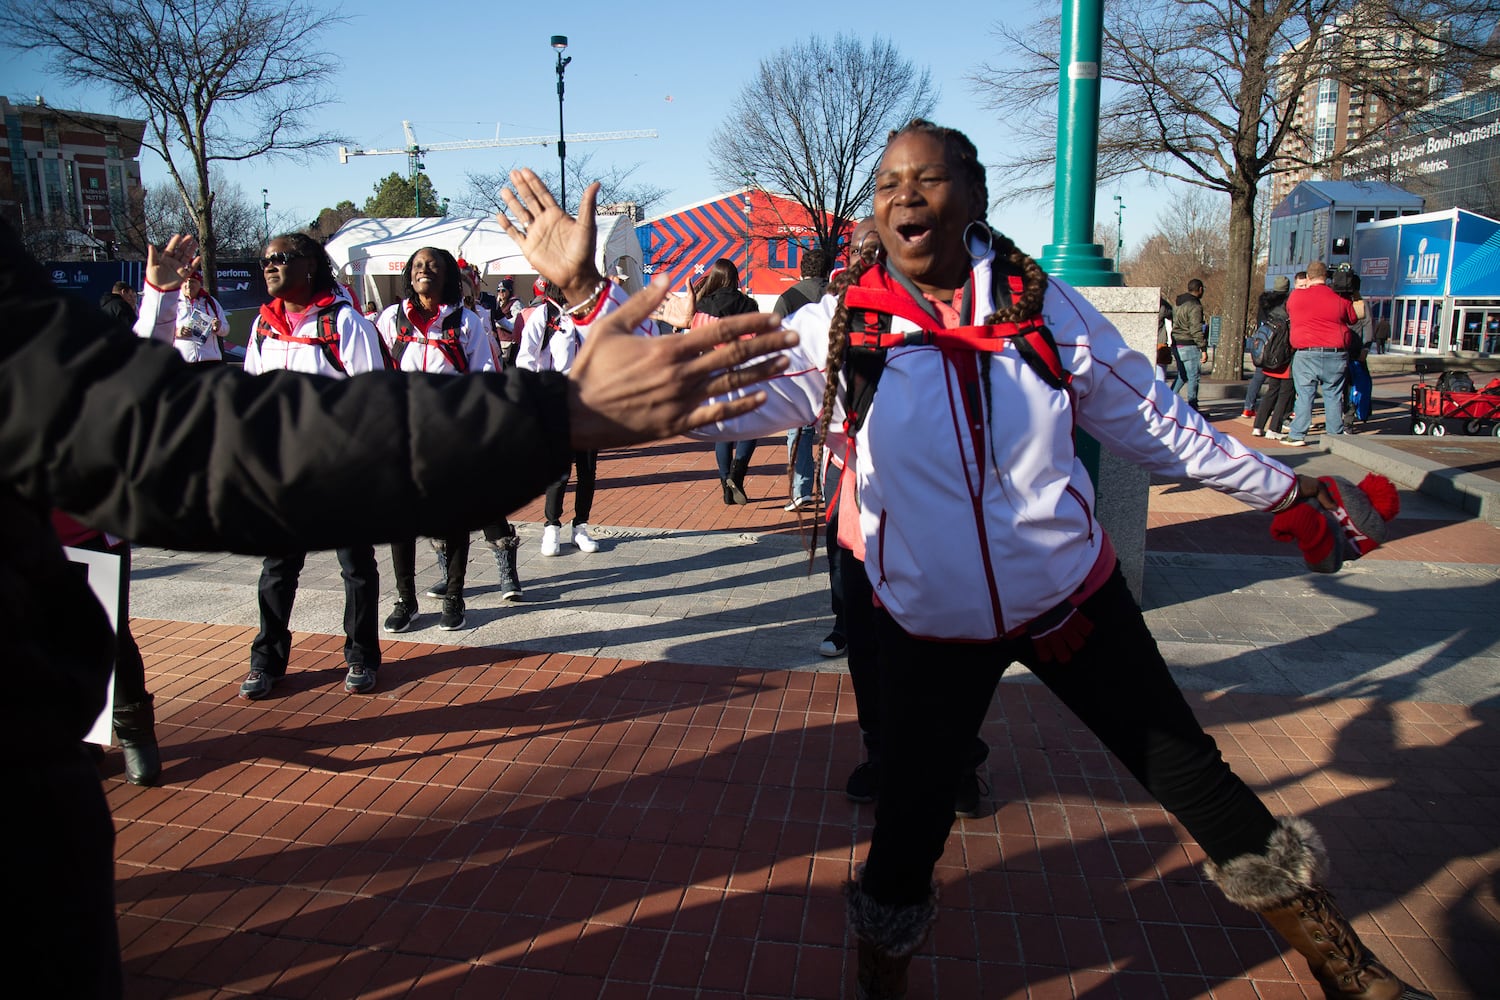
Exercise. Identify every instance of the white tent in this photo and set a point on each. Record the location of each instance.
(371, 249)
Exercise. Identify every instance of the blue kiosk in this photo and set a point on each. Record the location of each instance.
(1435, 278)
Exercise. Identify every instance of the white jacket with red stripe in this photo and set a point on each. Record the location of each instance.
(974, 528)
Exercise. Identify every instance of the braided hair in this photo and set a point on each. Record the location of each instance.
(963, 156)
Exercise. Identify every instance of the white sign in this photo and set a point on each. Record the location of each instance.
(103, 572)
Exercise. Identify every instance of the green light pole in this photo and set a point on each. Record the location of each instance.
(1073, 256)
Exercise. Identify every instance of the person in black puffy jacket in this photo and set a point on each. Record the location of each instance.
(126, 437)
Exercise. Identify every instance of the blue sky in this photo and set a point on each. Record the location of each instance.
(670, 66)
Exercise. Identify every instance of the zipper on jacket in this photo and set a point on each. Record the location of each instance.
(1088, 514)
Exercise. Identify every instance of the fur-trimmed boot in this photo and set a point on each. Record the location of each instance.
(505, 565)
(737, 470)
(887, 937)
(135, 728)
(1284, 886)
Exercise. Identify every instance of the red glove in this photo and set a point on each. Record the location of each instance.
(1059, 633)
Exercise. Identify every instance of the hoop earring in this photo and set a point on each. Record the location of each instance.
(989, 234)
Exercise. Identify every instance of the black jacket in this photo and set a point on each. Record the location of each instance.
(117, 309)
(726, 302)
(1187, 321)
(124, 435)
(806, 291)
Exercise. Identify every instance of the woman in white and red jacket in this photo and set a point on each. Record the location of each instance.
(195, 328)
(430, 330)
(310, 325)
(975, 517)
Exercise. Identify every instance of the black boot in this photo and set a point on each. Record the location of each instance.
(135, 728)
(505, 564)
(440, 589)
(887, 937)
(1282, 885)
(737, 470)
(729, 499)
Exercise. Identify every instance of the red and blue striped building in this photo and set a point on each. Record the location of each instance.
(770, 231)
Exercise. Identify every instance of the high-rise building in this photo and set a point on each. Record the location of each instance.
(72, 175)
(1363, 73)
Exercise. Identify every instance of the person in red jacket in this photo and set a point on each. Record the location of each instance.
(1321, 319)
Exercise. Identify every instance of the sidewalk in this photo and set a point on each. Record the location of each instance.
(630, 785)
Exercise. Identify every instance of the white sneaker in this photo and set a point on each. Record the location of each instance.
(1257, 432)
(1275, 435)
(583, 539)
(551, 546)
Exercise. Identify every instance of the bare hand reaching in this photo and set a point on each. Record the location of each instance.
(677, 310)
(560, 247)
(628, 389)
(170, 266)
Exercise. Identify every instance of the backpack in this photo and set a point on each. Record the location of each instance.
(327, 339)
(1455, 382)
(1271, 344)
(554, 320)
(447, 344)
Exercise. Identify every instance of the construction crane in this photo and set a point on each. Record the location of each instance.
(415, 151)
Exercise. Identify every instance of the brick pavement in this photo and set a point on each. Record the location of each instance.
(544, 814)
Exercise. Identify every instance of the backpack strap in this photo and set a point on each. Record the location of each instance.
(327, 339)
(876, 298)
(447, 344)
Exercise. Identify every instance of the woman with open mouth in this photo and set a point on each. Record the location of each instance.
(959, 372)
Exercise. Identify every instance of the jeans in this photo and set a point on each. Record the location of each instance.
(587, 463)
(933, 699)
(272, 646)
(1189, 370)
(404, 566)
(1313, 368)
(799, 455)
(1252, 390)
(740, 450)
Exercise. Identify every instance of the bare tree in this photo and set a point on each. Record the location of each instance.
(1192, 94)
(616, 186)
(813, 119)
(217, 80)
(239, 222)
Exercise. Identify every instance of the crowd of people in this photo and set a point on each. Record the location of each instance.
(945, 374)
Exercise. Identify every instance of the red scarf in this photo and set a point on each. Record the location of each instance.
(275, 314)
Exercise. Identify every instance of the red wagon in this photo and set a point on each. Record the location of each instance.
(1435, 411)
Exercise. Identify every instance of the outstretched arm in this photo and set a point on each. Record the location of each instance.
(560, 247)
(626, 389)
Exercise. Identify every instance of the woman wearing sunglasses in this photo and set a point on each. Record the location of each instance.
(311, 326)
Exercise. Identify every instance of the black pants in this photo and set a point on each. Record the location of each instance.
(500, 529)
(583, 497)
(1279, 396)
(272, 647)
(934, 696)
(61, 881)
(404, 566)
(853, 602)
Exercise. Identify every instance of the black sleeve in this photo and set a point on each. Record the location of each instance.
(121, 433)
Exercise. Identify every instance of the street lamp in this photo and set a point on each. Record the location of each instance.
(1119, 231)
(265, 207)
(560, 42)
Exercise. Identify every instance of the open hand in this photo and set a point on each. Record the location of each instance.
(560, 247)
(628, 389)
(170, 266)
(678, 310)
